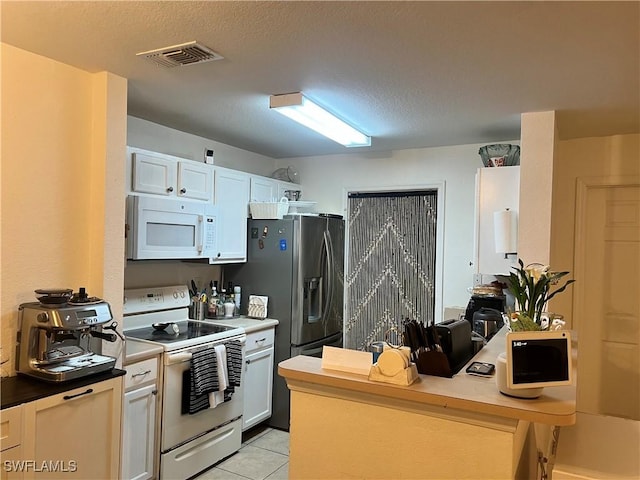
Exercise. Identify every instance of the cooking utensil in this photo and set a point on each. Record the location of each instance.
(161, 327)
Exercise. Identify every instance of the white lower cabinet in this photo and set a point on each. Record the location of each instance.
(140, 412)
(10, 443)
(75, 434)
(258, 377)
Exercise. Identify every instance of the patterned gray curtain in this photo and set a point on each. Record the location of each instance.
(391, 263)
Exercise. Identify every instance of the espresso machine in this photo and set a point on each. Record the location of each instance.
(60, 337)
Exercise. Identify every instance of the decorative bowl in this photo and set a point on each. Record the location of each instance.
(500, 155)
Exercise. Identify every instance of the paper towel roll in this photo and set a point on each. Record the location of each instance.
(505, 225)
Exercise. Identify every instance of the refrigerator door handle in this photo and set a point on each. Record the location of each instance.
(328, 245)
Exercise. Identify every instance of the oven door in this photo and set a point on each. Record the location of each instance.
(178, 428)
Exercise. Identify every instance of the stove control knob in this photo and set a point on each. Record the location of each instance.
(43, 317)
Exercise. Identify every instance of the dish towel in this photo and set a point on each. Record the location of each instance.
(234, 365)
(216, 397)
(201, 378)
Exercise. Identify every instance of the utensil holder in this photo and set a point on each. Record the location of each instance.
(197, 310)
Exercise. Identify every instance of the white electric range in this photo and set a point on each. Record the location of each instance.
(189, 443)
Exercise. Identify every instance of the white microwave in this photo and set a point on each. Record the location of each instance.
(170, 228)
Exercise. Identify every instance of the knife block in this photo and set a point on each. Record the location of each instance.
(434, 363)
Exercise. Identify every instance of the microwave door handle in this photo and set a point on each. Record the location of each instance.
(200, 246)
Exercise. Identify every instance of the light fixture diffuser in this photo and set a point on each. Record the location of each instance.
(299, 108)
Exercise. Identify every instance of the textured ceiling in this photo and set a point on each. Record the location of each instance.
(409, 74)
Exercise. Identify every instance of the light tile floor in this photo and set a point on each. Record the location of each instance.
(264, 455)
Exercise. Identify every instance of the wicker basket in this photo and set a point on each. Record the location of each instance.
(268, 210)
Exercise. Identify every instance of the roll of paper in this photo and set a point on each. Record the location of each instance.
(506, 231)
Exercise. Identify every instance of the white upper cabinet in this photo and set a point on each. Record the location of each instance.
(264, 189)
(195, 180)
(497, 189)
(166, 175)
(232, 198)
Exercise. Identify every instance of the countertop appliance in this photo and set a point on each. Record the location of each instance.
(189, 443)
(166, 228)
(478, 301)
(298, 262)
(62, 340)
(487, 322)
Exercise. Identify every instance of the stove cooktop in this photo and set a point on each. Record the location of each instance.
(188, 331)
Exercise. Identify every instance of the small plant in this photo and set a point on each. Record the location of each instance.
(532, 288)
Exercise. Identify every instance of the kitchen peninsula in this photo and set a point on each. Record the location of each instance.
(345, 426)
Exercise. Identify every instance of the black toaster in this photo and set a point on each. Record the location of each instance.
(456, 343)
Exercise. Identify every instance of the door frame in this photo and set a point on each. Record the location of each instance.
(439, 187)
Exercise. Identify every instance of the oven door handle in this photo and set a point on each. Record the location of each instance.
(174, 358)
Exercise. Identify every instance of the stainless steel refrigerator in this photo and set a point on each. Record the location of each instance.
(298, 262)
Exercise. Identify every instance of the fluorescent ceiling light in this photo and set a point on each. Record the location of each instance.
(299, 108)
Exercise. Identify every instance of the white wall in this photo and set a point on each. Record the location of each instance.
(327, 179)
(63, 145)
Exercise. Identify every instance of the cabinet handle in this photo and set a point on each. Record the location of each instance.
(154, 392)
(141, 374)
(247, 362)
(183, 191)
(261, 340)
(69, 397)
(170, 189)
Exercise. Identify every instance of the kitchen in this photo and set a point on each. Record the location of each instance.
(72, 252)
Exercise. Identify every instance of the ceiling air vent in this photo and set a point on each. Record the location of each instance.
(179, 55)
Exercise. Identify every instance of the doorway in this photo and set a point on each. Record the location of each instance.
(392, 263)
(607, 310)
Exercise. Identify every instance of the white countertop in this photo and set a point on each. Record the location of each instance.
(136, 350)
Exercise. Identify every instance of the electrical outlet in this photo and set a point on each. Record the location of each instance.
(477, 279)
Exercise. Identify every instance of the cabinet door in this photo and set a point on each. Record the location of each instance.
(10, 427)
(497, 189)
(258, 381)
(264, 189)
(76, 432)
(138, 441)
(12, 461)
(195, 180)
(152, 174)
(232, 197)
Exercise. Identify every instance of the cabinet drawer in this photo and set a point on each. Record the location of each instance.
(141, 373)
(260, 339)
(10, 427)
